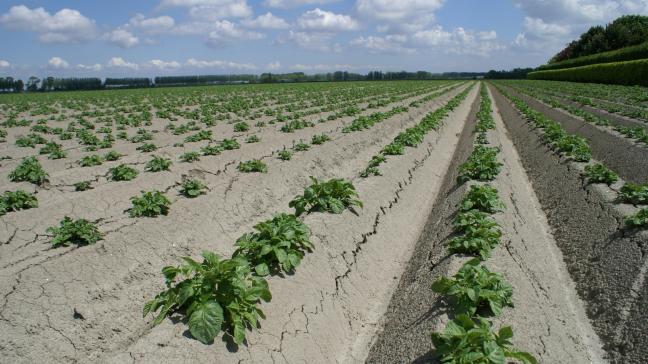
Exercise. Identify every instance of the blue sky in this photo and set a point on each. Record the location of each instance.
(162, 37)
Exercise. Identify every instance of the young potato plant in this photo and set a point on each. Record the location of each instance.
(211, 150)
(201, 135)
(300, 147)
(252, 139)
(466, 340)
(147, 147)
(320, 139)
(112, 155)
(640, 219)
(253, 165)
(190, 157)
(149, 204)
(334, 195)
(29, 170)
(634, 193)
(158, 164)
(483, 198)
(17, 200)
(122, 173)
(82, 186)
(278, 245)
(284, 155)
(479, 234)
(90, 161)
(217, 294)
(598, 173)
(229, 144)
(241, 127)
(393, 148)
(192, 188)
(476, 289)
(482, 165)
(69, 231)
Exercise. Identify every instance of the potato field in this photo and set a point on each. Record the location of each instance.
(448, 221)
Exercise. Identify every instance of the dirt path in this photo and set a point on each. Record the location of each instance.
(608, 264)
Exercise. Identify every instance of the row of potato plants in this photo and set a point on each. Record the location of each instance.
(638, 134)
(413, 136)
(474, 291)
(623, 100)
(577, 148)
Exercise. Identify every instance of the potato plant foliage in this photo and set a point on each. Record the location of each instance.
(483, 198)
(334, 195)
(476, 289)
(69, 231)
(149, 204)
(277, 245)
(29, 170)
(122, 173)
(192, 188)
(468, 340)
(17, 200)
(217, 294)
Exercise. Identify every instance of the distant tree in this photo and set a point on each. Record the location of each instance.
(32, 83)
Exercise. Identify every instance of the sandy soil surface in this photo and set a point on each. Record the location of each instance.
(607, 263)
(84, 304)
(548, 319)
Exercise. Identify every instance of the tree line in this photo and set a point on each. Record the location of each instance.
(625, 31)
(35, 84)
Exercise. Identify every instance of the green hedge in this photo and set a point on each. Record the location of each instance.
(624, 54)
(621, 73)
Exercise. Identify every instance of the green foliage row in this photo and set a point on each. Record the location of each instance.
(624, 54)
(474, 290)
(620, 73)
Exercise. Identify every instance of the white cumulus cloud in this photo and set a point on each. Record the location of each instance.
(121, 38)
(266, 21)
(294, 3)
(191, 62)
(64, 26)
(319, 19)
(163, 65)
(57, 63)
(155, 25)
(119, 62)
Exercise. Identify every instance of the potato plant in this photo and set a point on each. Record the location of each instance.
(483, 198)
(192, 188)
(475, 289)
(253, 165)
(91, 161)
(158, 164)
(598, 173)
(78, 232)
(277, 245)
(334, 195)
(82, 186)
(149, 204)
(190, 157)
(468, 340)
(29, 170)
(215, 295)
(122, 172)
(17, 200)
